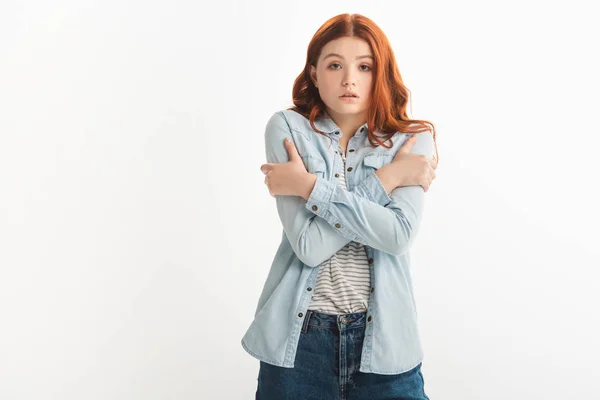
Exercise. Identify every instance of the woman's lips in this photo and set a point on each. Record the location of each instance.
(348, 99)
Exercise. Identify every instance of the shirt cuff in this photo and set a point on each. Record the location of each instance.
(373, 185)
(320, 197)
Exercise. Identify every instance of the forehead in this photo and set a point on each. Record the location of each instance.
(348, 47)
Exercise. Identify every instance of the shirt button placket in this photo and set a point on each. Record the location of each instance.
(370, 260)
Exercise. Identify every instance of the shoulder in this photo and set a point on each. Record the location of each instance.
(282, 118)
(293, 121)
(284, 122)
(425, 144)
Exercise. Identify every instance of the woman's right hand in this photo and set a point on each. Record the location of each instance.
(413, 169)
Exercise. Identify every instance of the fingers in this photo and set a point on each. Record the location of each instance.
(408, 144)
(427, 177)
(266, 168)
(267, 183)
(291, 149)
(426, 185)
(430, 177)
(434, 162)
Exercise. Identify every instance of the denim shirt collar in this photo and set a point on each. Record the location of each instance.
(327, 125)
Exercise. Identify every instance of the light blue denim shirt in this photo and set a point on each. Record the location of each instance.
(315, 229)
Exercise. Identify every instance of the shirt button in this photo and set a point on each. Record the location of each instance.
(338, 226)
(362, 129)
(351, 150)
(372, 289)
(370, 261)
(309, 289)
(315, 208)
(349, 169)
(300, 315)
(369, 319)
(337, 175)
(337, 132)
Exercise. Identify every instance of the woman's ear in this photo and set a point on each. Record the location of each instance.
(313, 75)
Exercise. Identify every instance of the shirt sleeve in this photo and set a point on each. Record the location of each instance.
(312, 238)
(390, 227)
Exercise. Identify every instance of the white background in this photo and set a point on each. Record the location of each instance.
(136, 231)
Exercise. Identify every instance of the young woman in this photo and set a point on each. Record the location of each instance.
(349, 170)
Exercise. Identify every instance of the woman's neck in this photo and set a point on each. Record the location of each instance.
(348, 124)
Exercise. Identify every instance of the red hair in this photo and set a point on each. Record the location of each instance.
(387, 111)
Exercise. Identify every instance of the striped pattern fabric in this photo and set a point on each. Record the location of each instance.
(344, 280)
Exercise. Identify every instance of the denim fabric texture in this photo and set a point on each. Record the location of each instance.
(315, 229)
(327, 363)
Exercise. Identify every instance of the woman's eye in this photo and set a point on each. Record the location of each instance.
(368, 68)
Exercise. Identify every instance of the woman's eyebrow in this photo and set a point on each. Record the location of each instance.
(339, 56)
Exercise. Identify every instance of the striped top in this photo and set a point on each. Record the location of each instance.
(344, 280)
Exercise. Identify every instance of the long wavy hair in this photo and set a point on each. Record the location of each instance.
(389, 97)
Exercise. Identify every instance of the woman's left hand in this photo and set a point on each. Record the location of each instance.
(289, 178)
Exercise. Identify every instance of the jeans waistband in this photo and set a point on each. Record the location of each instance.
(340, 321)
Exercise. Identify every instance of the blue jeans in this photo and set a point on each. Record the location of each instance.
(326, 366)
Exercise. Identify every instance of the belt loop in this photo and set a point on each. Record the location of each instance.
(305, 322)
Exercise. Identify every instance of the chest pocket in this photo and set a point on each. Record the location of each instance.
(377, 160)
(315, 165)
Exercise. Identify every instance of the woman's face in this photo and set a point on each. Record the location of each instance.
(345, 63)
